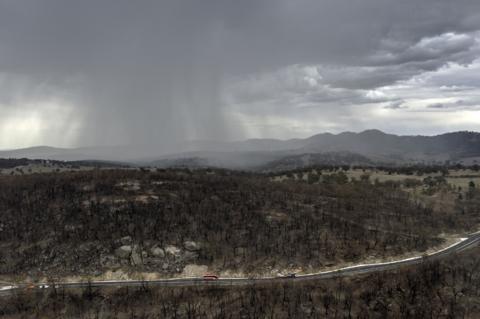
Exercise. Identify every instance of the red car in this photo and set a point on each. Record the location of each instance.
(210, 277)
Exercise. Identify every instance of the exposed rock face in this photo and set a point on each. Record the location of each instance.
(157, 252)
(124, 251)
(191, 246)
(172, 251)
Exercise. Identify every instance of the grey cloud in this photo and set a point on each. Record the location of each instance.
(298, 86)
(396, 105)
(447, 46)
(440, 106)
(157, 72)
(459, 104)
(366, 77)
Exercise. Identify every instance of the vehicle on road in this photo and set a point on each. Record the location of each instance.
(458, 247)
(210, 277)
(30, 287)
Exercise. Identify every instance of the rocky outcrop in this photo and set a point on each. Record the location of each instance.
(152, 256)
(191, 246)
(157, 252)
(173, 251)
(124, 251)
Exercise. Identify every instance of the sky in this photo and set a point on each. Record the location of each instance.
(157, 72)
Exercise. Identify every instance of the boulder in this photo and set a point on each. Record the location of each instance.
(172, 251)
(86, 247)
(190, 256)
(191, 246)
(124, 251)
(157, 252)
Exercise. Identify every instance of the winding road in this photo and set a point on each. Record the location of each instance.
(463, 244)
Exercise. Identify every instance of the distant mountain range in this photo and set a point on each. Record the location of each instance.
(371, 146)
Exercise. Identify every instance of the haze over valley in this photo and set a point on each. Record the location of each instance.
(367, 147)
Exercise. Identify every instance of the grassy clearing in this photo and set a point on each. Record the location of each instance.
(460, 178)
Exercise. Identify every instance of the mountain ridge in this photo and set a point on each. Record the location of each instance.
(372, 144)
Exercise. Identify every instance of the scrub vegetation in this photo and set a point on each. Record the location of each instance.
(90, 223)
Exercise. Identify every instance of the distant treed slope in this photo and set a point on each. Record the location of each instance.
(15, 162)
(307, 160)
(374, 144)
(15, 166)
(190, 162)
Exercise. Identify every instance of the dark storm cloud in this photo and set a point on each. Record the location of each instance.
(157, 72)
(443, 47)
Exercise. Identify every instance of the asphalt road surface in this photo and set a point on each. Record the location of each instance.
(471, 240)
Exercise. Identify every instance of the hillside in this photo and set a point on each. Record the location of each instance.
(90, 223)
(307, 160)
